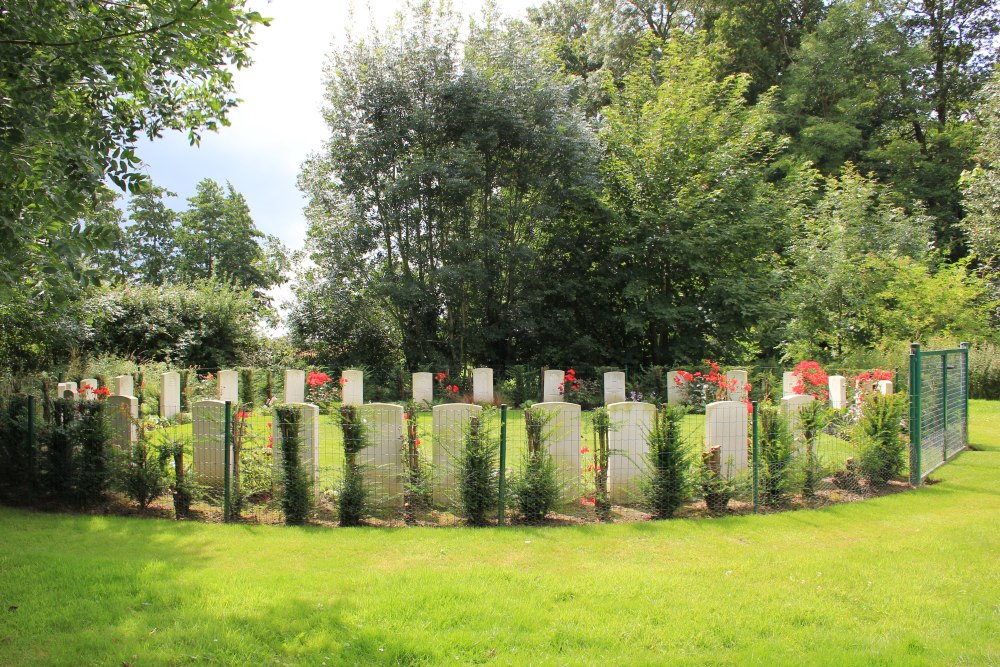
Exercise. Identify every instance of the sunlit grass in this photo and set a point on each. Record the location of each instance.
(907, 579)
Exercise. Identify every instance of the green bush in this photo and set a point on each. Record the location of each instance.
(296, 486)
(984, 372)
(536, 489)
(777, 454)
(92, 438)
(57, 462)
(665, 485)
(143, 474)
(17, 471)
(353, 495)
(878, 437)
(812, 418)
(599, 468)
(182, 488)
(478, 474)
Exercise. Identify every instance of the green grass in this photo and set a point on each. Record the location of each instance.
(905, 579)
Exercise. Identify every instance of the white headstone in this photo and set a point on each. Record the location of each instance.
(614, 387)
(885, 387)
(482, 385)
(790, 408)
(295, 386)
(739, 392)
(123, 385)
(229, 387)
(67, 390)
(675, 389)
(726, 427)
(170, 394)
(551, 386)
(788, 382)
(87, 388)
(449, 426)
(838, 392)
(383, 457)
(562, 437)
(309, 448)
(423, 388)
(209, 435)
(124, 414)
(353, 388)
(628, 441)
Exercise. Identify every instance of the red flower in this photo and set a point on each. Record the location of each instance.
(243, 415)
(416, 442)
(585, 450)
(102, 392)
(269, 424)
(440, 377)
(343, 380)
(318, 379)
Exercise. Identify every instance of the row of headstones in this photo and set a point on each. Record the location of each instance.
(726, 426)
(837, 385)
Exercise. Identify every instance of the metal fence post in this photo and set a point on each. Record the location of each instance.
(32, 461)
(915, 416)
(756, 459)
(227, 461)
(965, 393)
(944, 407)
(501, 509)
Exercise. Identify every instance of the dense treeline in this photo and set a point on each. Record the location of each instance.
(609, 182)
(630, 182)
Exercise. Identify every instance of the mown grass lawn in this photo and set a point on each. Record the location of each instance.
(911, 578)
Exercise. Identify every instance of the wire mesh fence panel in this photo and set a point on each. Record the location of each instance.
(382, 457)
(450, 427)
(628, 442)
(208, 430)
(942, 407)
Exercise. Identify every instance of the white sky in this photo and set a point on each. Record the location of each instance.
(278, 123)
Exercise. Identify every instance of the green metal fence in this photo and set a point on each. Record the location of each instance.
(939, 408)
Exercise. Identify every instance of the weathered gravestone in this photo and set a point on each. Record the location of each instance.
(423, 388)
(67, 390)
(209, 433)
(352, 387)
(449, 427)
(788, 382)
(791, 406)
(675, 389)
(628, 442)
(482, 385)
(295, 386)
(738, 381)
(88, 387)
(123, 385)
(614, 387)
(383, 455)
(229, 387)
(561, 437)
(885, 387)
(838, 392)
(170, 394)
(551, 387)
(726, 427)
(308, 447)
(124, 415)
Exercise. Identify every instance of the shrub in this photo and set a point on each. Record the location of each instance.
(353, 496)
(599, 468)
(776, 449)
(536, 489)
(417, 488)
(984, 372)
(92, 436)
(57, 463)
(812, 418)
(143, 473)
(16, 454)
(296, 487)
(478, 474)
(665, 484)
(182, 488)
(878, 437)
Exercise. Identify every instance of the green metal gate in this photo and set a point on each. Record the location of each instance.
(939, 408)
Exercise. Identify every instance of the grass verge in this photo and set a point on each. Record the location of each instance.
(907, 579)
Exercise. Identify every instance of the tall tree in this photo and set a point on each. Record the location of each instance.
(686, 162)
(152, 236)
(80, 82)
(443, 180)
(217, 237)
